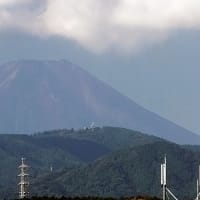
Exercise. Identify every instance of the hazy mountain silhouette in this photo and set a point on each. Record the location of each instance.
(43, 95)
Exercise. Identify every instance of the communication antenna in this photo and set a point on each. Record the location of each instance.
(23, 184)
(164, 177)
(51, 168)
(92, 126)
(198, 185)
(166, 190)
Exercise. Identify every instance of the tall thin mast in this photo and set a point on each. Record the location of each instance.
(164, 177)
(198, 184)
(166, 190)
(23, 184)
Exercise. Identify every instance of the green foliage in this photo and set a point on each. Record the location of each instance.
(113, 138)
(65, 150)
(126, 172)
(93, 198)
(98, 162)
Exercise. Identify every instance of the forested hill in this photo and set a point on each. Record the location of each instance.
(94, 198)
(99, 162)
(133, 171)
(113, 138)
(60, 149)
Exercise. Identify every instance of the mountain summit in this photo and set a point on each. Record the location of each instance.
(42, 95)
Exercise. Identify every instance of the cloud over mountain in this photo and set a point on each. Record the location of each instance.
(100, 25)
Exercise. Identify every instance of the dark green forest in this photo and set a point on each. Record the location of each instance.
(93, 198)
(102, 162)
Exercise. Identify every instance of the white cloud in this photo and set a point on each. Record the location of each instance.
(101, 24)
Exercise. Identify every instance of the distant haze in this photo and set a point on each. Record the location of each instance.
(42, 95)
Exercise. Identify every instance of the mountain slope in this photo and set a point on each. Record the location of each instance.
(134, 171)
(42, 95)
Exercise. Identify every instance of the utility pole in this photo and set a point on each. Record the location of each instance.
(23, 184)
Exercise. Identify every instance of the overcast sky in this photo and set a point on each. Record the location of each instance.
(101, 25)
(147, 49)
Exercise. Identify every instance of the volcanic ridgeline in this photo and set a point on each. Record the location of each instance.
(45, 95)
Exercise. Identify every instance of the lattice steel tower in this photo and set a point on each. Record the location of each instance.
(23, 184)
